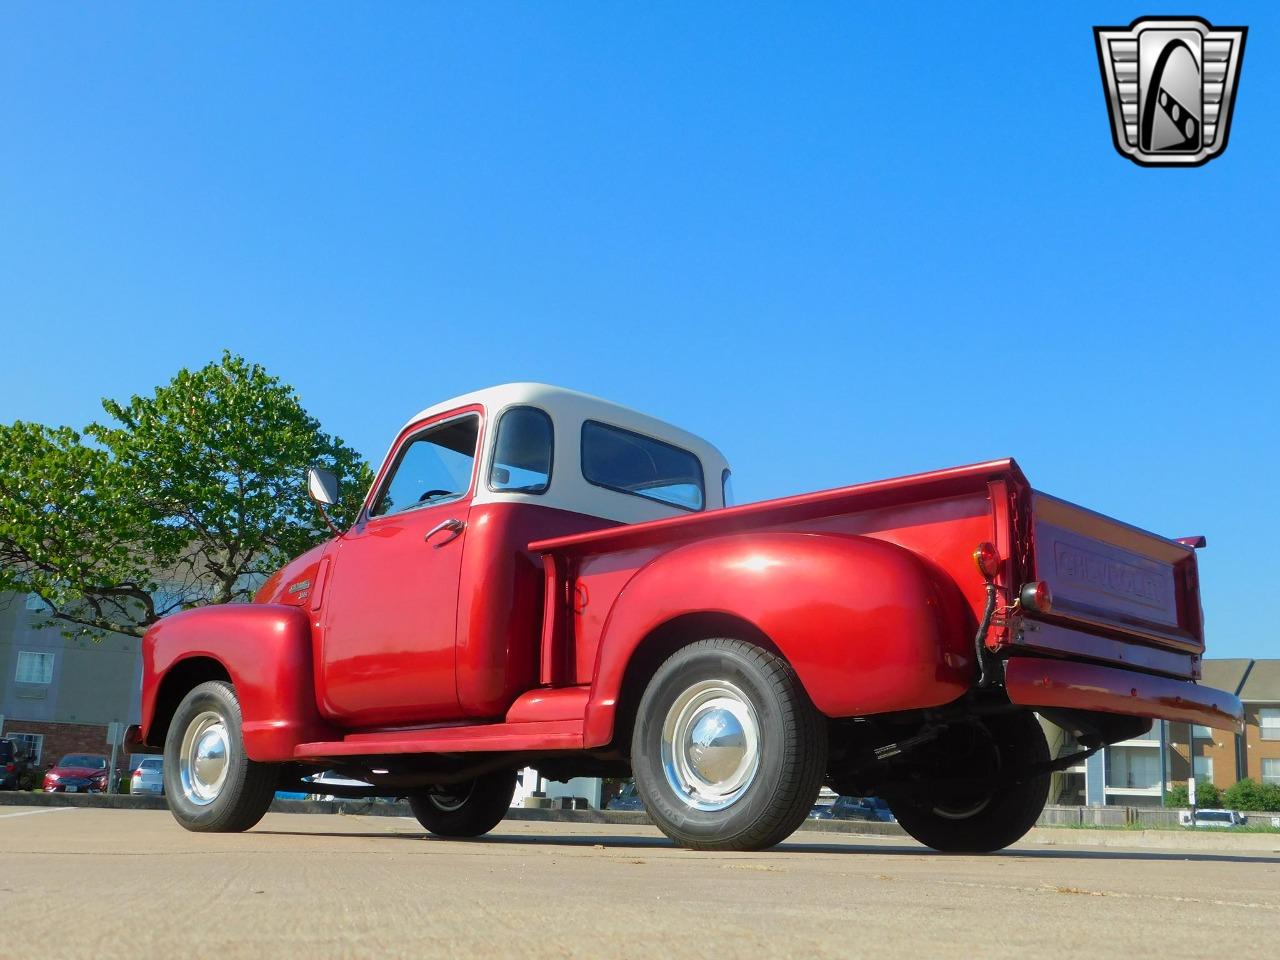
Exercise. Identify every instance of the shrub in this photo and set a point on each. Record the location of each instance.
(1207, 795)
(1248, 794)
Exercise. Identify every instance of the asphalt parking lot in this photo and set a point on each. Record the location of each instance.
(131, 883)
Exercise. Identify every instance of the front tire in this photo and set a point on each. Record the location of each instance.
(727, 751)
(211, 784)
(469, 809)
(990, 819)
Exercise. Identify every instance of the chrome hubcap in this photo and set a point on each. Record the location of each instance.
(202, 762)
(711, 745)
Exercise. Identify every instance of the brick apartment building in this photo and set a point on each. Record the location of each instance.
(1137, 772)
(58, 696)
(1224, 758)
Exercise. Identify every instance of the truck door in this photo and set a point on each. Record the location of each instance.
(386, 653)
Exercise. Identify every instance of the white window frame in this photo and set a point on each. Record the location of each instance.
(43, 657)
(30, 739)
(1269, 723)
(1202, 768)
(1274, 762)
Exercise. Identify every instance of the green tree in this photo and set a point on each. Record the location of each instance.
(189, 496)
(1207, 795)
(1248, 794)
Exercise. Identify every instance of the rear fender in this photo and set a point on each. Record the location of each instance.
(265, 649)
(867, 625)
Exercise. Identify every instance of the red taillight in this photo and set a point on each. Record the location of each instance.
(1037, 597)
(9, 767)
(987, 559)
(138, 772)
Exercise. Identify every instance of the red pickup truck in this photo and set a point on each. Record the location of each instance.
(541, 577)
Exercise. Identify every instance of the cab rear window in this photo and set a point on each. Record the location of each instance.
(642, 466)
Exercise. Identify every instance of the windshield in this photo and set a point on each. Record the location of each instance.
(83, 760)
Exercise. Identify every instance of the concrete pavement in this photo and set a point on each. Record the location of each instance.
(130, 883)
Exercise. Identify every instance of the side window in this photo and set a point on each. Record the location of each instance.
(522, 452)
(726, 481)
(433, 467)
(633, 463)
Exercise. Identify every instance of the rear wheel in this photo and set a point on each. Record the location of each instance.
(469, 809)
(727, 751)
(980, 817)
(209, 780)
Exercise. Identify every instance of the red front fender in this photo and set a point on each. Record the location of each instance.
(867, 625)
(265, 649)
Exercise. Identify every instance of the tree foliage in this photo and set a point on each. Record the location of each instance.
(186, 497)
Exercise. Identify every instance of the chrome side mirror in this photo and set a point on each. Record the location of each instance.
(322, 486)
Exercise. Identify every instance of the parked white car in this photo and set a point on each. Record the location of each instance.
(1213, 818)
(148, 778)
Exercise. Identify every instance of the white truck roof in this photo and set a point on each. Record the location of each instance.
(569, 490)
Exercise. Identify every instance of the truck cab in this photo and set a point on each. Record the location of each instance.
(429, 608)
(537, 576)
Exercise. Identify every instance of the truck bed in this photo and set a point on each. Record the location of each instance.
(1122, 596)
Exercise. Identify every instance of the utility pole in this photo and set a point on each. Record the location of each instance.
(113, 736)
(1164, 770)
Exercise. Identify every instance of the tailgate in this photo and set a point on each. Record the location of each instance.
(1112, 580)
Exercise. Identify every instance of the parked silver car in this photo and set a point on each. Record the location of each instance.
(148, 778)
(1213, 818)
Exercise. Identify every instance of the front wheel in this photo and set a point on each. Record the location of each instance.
(210, 782)
(1005, 750)
(727, 751)
(469, 809)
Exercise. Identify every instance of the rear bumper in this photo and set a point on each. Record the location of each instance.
(1066, 685)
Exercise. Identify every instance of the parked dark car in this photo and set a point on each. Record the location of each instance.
(77, 773)
(13, 764)
(627, 799)
(855, 808)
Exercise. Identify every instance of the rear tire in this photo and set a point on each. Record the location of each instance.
(984, 822)
(468, 809)
(209, 781)
(727, 751)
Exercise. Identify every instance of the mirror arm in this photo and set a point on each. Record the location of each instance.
(328, 519)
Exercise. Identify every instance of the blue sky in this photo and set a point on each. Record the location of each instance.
(842, 243)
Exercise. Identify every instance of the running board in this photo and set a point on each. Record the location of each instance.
(475, 738)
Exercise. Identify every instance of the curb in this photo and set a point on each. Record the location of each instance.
(377, 808)
(1041, 836)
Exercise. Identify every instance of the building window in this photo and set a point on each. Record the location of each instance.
(34, 667)
(632, 463)
(30, 744)
(1200, 731)
(1133, 768)
(1271, 771)
(1203, 768)
(1269, 722)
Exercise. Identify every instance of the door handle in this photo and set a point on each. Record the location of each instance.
(455, 528)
